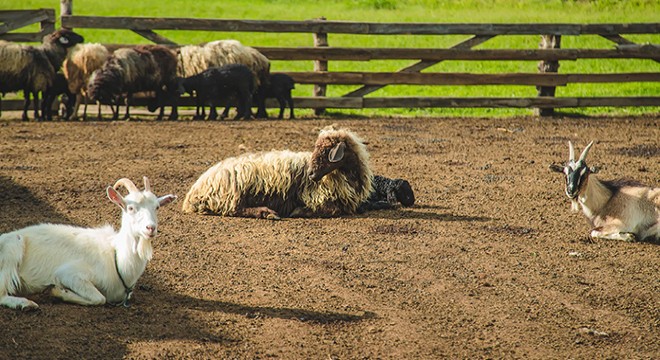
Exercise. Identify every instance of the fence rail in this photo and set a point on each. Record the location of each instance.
(549, 54)
(11, 20)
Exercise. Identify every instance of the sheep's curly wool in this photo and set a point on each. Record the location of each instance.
(281, 181)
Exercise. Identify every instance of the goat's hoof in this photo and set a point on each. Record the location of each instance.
(29, 306)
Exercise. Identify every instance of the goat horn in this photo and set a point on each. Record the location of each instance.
(571, 152)
(128, 184)
(585, 151)
(147, 185)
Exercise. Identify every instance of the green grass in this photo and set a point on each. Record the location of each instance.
(468, 11)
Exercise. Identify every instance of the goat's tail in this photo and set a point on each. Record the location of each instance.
(12, 248)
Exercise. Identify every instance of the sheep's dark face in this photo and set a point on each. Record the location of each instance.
(328, 155)
(64, 38)
(405, 194)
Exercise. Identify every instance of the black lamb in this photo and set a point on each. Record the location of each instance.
(388, 193)
(59, 87)
(217, 85)
(279, 87)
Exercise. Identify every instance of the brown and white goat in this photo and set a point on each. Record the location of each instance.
(86, 266)
(617, 210)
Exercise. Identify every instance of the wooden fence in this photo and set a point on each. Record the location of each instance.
(11, 20)
(545, 81)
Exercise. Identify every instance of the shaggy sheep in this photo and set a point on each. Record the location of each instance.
(279, 87)
(80, 63)
(132, 70)
(388, 193)
(221, 83)
(193, 59)
(33, 68)
(332, 180)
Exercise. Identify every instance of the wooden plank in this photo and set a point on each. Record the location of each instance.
(23, 37)
(368, 54)
(622, 42)
(156, 38)
(536, 102)
(389, 78)
(24, 19)
(433, 102)
(345, 27)
(421, 65)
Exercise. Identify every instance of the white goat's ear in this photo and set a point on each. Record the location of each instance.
(337, 152)
(556, 168)
(164, 200)
(116, 197)
(63, 40)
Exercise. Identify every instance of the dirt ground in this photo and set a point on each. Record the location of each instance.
(489, 263)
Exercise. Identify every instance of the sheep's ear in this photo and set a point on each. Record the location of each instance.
(116, 197)
(164, 200)
(556, 168)
(337, 152)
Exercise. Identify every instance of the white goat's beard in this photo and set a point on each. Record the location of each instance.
(574, 206)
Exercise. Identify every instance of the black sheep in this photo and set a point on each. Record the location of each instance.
(387, 193)
(59, 87)
(279, 87)
(221, 83)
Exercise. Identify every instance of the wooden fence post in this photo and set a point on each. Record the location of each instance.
(548, 42)
(320, 40)
(66, 8)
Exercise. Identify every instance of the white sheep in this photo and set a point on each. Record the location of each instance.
(86, 266)
(617, 210)
(332, 180)
(32, 69)
(81, 61)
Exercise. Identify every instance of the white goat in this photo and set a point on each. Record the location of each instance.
(617, 210)
(86, 266)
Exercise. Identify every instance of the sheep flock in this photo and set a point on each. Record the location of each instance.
(65, 67)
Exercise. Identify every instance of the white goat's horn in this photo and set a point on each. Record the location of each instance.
(571, 152)
(128, 184)
(585, 151)
(147, 185)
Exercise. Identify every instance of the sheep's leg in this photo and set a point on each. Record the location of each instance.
(225, 112)
(261, 212)
(35, 100)
(213, 114)
(129, 100)
(289, 99)
(74, 289)
(174, 114)
(282, 101)
(26, 104)
(261, 108)
(76, 107)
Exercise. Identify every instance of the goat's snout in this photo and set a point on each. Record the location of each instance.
(151, 230)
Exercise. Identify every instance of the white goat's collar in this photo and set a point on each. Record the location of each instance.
(127, 290)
